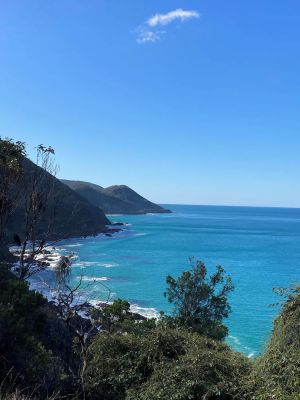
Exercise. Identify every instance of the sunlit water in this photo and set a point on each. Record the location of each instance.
(258, 247)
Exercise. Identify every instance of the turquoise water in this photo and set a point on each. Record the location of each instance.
(258, 247)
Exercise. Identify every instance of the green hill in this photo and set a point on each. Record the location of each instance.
(67, 213)
(118, 199)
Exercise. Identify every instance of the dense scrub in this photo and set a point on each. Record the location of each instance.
(34, 344)
(276, 374)
(163, 364)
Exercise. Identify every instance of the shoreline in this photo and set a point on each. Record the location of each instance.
(52, 253)
(69, 245)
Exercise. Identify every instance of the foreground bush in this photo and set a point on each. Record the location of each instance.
(21, 322)
(33, 342)
(164, 364)
(276, 374)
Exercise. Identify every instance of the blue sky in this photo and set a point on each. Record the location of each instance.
(194, 102)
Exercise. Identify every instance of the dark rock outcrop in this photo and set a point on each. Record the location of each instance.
(119, 199)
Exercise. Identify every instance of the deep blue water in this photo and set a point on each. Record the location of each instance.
(258, 247)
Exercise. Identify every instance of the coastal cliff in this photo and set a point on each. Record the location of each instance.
(117, 199)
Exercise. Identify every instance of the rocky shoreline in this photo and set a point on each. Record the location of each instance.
(50, 256)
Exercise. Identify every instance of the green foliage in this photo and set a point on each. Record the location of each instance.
(163, 364)
(201, 302)
(137, 326)
(113, 366)
(276, 374)
(111, 316)
(24, 336)
(11, 154)
(11, 167)
(117, 318)
(44, 149)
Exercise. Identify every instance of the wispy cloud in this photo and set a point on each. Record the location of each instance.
(148, 32)
(179, 14)
(145, 35)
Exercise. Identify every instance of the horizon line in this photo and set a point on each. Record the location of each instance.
(225, 205)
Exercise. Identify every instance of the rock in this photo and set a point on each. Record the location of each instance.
(138, 317)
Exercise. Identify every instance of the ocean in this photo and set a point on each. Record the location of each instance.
(258, 247)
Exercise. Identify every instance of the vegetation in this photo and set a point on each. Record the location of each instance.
(201, 303)
(28, 357)
(25, 193)
(276, 374)
(48, 350)
(163, 364)
(11, 155)
(111, 317)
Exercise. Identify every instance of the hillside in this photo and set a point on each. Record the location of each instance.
(118, 199)
(67, 214)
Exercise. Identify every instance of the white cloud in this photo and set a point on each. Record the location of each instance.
(145, 35)
(149, 33)
(165, 19)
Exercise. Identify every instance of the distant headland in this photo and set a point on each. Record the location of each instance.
(117, 199)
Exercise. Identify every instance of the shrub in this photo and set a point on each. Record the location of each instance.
(165, 364)
(25, 359)
(276, 374)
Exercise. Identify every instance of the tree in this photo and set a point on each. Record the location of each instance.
(25, 191)
(37, 191)
(111, 316)
(11, 172)
(201, 302)
(71, 308)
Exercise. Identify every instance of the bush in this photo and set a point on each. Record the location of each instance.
(26, 359)
(165, 364)
(276, 374)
